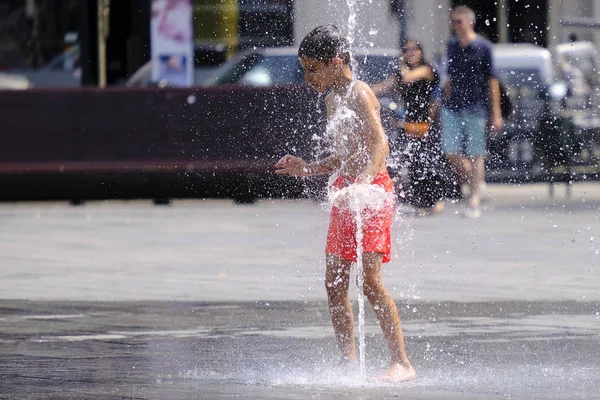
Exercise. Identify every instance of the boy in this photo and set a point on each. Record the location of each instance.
(358, 161)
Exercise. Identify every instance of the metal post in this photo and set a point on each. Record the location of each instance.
(402, 21)
(554, 13)
(502, 22)
(103, 30)
(589, 23)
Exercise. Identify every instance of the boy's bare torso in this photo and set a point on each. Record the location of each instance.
(354, 128)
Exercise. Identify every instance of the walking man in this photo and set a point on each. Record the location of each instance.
(471, 101)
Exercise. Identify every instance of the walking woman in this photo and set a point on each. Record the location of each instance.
(415, 82)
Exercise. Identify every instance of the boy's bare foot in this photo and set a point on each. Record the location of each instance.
(349, 365)
(398, 373)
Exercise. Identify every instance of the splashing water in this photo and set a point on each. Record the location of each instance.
(351, 198)
(356, 198)
(360, 198)
(355, 206)
(352, 16)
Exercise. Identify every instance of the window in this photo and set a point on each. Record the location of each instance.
(265, 23)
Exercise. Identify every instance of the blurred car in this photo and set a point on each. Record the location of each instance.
(577, 66)
(62, 71)
(275, 66)
(208, 59)
(555, 124)
(262, 68)
(527, 71)
(14, 82)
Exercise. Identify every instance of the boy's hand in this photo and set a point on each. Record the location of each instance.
(291, 165)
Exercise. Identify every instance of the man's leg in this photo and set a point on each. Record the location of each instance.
(337, 279)
(453, 132)
(476, 132)
(477, 181)
(387, 313)
(463, 167)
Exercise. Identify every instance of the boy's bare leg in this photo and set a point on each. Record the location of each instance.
(337, 280)
(387, 313)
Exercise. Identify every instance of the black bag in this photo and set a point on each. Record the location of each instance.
(507, 107)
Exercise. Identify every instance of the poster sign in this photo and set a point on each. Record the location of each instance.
(172, 42)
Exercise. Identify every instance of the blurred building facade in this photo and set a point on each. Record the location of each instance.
(33, 31)
(531, 21)
(586, 14)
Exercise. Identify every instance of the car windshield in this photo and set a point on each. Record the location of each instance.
(67, 61)
(374, 68)
(273, 70)
(584, 63)
(525, 83)
(524, 86)
(264, 70)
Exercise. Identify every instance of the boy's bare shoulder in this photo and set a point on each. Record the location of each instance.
(363, 88)
(364, 95)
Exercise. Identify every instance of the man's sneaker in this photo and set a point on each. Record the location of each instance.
(465, 190)
(483, 191)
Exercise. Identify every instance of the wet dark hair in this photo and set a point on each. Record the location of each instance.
(417, 44)
(324, 43)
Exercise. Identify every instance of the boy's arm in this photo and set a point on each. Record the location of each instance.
(371, 138)
(325, 166)
(298, 167)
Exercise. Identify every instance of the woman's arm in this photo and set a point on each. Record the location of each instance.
(384, 86)
(421, 72)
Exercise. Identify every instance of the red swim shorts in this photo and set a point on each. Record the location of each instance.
(376, 224)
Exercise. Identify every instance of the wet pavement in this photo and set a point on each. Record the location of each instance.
(212, 300)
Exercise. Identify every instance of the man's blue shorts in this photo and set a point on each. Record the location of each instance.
(460, 128)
